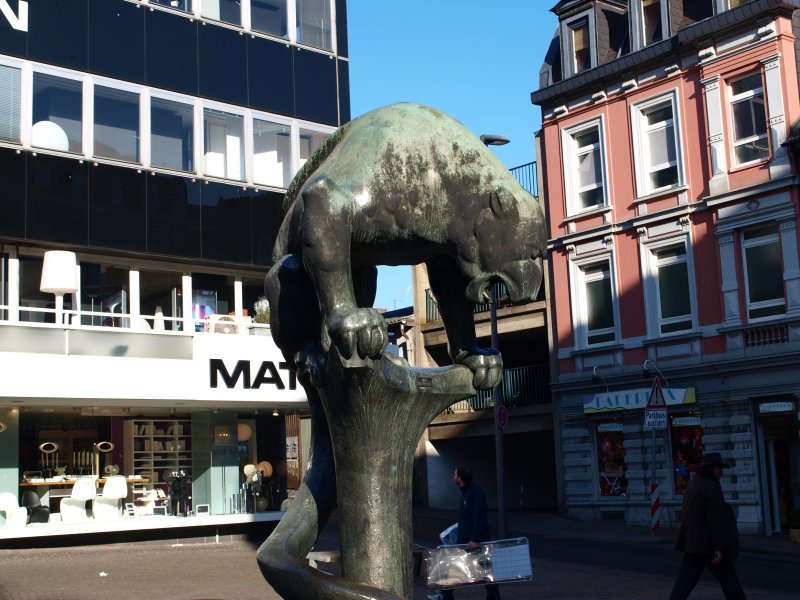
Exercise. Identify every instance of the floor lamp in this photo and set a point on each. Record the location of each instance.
(59, 277)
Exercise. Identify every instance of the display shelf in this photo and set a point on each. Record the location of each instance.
(153, 446)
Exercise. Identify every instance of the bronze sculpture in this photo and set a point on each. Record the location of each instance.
(403, 184)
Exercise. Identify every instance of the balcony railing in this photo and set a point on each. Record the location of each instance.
(523, 386)
(526, 175)
(432, 307)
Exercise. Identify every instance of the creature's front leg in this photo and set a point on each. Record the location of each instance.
(449, 285)
(326, 234)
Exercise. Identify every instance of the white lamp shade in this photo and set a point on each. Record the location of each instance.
(59, 274)
(46, 134)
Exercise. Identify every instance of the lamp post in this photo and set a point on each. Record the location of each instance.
(498, 140)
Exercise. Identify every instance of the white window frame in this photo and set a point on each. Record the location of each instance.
(195, 11)
(570, 154)
(87, 99)
(641, 148)
(234, 111)
(578, 300)
(91, 82)
(567, 49)
(732, 99)
(652, 285)
(259, 116)
(145, 94)
(762, 241)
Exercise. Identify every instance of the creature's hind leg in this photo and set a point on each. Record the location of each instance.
(449, 286)
(295, 320)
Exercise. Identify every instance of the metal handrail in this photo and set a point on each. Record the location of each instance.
(522, 386)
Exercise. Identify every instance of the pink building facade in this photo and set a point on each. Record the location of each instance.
(671, 188)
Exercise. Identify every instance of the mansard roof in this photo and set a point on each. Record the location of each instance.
(552, 87)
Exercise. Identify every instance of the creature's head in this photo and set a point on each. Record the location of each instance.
(507, 245)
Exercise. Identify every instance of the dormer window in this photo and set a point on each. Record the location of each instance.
(652, 28)
(581, 49)
(578, 43)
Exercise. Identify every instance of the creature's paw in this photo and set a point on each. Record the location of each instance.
(310, 366)
(486, 365)
(359, 330)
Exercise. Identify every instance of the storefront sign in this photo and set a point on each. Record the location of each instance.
(776, 407)
(634, 399)
(20, 21)
(609, 427)
(686, 421)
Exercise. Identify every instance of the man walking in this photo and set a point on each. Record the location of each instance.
(473, 522)
(708, 536)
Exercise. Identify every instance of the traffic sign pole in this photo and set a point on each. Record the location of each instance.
(655, 417)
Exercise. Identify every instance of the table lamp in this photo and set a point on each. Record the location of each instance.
(59, 277)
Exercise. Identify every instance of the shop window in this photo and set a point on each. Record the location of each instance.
(269, 16)
(211, 295)
(687, 449)
(57, 113)
(159, 299)
(171, 135)
(657, 148)
(252, 295)
(227, 11)
(763, 271)
(104, 295)
(749, 119)
(272, 153)
(116, 124)
(584, 168)
(224, 145)
(314, 23)
(9, 104)
(653, 29)
(309, 142)
(611, 459)
(597, 303)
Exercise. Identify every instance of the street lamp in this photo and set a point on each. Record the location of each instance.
(498, 140)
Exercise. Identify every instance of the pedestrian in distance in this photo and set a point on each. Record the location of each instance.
(708, 536)
(473, 522)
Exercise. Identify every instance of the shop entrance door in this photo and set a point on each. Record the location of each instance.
(780, 468)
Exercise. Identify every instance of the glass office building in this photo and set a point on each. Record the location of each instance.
(145, 147)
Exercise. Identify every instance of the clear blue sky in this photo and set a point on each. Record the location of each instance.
(477, 61)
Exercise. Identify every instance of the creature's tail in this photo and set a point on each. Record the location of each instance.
(314, 161)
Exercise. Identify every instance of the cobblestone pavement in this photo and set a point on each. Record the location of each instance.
(570, 561)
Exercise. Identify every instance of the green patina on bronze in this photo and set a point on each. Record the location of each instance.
(404, 184)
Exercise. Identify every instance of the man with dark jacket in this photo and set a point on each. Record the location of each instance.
(473, 522)
(708, 536)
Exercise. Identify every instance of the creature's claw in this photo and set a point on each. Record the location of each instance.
(358, 330)
(486, 365)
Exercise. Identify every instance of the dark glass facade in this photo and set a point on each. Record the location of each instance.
(122, 40)
(72, 200)
(62, 200)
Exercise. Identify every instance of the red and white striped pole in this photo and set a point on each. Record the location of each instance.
(655, 505)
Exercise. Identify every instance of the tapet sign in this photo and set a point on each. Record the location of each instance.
(632, 399)
(17, 21)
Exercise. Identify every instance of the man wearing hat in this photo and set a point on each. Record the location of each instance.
(708, 536)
